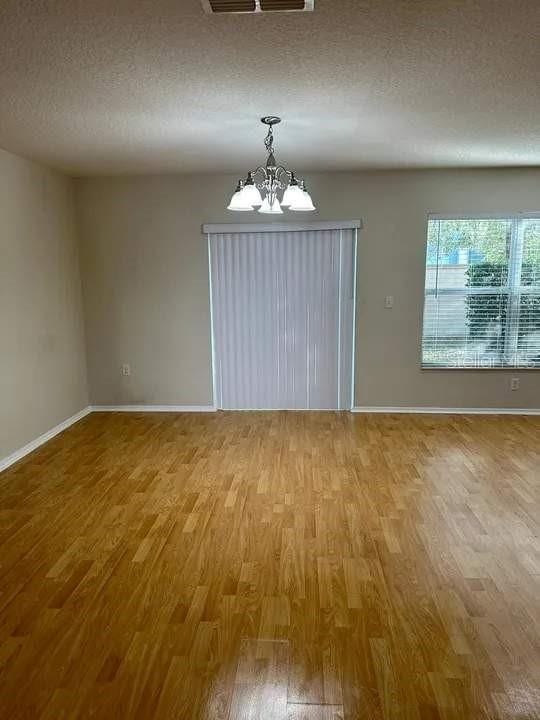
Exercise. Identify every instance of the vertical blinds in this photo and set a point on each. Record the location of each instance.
(282, 317)
(482, 293)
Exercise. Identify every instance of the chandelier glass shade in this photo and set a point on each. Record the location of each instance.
(238, 202)
(262, 188)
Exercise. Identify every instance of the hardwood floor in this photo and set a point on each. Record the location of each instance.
(273, 566)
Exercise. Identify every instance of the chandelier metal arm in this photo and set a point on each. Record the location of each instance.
(260, 169)
(280, 170)
(277, 172)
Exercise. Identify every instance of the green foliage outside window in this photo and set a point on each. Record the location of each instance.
(492, 309)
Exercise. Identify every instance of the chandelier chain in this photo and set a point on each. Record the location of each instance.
(269, 141)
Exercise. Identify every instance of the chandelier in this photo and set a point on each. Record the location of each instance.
(261, 187)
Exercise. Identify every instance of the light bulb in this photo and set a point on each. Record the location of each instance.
(303, 203)
(251, 195)
(238, 203)
(266, 209)
(276, 208)
(291, 195)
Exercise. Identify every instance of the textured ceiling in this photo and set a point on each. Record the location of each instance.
(121, 86)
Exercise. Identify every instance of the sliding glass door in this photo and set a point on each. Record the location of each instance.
(283, 318)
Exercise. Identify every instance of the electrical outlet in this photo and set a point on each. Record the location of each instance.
(126, 370)
(389, 302)
(514, 384)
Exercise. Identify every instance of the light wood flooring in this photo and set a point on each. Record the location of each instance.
(273, 566)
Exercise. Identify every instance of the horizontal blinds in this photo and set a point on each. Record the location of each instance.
(528, 300)
(482, 293)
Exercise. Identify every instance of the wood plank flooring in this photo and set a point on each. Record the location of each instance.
(273, 566)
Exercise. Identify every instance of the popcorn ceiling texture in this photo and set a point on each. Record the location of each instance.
(158, 86)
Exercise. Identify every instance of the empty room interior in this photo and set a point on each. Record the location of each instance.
(270, 360)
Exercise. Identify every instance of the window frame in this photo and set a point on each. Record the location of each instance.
(515, 217)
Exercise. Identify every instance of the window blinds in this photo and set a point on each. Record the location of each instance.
(482, 293)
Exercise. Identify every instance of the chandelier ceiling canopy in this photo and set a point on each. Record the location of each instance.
(261, 187)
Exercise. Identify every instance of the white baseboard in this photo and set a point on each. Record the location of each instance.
(31, 446)
(34, 444)
(154, 408)
(449, 411)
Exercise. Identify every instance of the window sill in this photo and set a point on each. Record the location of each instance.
(508, 368)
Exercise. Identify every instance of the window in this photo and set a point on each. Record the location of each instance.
(482, 293)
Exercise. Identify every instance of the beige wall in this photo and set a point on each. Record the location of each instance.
(42, 356)
(145, 278)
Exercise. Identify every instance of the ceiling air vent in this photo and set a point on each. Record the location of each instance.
(214, 7)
